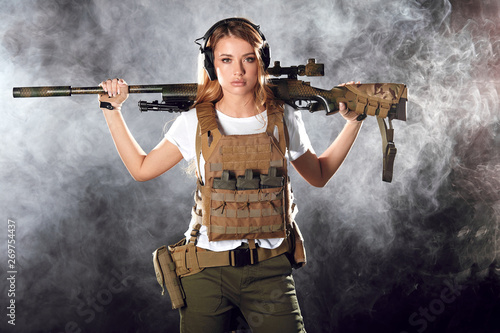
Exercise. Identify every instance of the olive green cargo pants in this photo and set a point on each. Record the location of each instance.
(264, 293)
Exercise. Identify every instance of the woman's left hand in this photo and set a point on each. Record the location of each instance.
(349, 115)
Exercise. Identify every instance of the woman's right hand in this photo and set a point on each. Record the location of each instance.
(115, 92)
(349, 115)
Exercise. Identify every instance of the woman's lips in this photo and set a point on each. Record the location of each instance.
(238, 83)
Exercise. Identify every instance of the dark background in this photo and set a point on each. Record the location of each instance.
(415, 255)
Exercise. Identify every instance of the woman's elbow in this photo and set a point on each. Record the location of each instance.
(139, 177)
(141, 180)
(319, 183)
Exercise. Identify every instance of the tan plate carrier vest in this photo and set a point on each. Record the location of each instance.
(246, 193)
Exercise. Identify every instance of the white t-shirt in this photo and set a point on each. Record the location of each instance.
(182, 134)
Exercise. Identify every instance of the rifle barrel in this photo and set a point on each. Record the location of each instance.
(188, 89)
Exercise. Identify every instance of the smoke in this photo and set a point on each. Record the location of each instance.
(377, 251)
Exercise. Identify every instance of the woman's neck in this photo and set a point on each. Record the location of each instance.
(238, 106)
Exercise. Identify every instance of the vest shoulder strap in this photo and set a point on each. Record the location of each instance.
(207, 132)
(207, 119)
(276, 118)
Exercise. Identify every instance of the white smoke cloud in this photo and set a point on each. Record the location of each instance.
(80, 215)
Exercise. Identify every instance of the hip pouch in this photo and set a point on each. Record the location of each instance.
(298, 249)
(167, 277)
(184, 257)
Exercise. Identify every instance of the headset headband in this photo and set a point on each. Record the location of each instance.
(210, 31)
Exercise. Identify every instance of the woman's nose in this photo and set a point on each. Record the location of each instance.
(238, 68)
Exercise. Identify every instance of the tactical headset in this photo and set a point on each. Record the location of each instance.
(208, 53)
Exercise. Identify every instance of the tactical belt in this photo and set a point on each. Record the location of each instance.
(242, 256)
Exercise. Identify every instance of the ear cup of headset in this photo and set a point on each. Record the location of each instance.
(265, 55)
(208, 63)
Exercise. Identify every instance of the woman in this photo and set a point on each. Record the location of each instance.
(238, 133)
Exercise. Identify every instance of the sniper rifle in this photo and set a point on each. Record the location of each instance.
(382, 100)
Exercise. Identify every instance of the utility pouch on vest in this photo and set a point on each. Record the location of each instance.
(271, 180)
(248, 181)
(166, 276)
(225, 182)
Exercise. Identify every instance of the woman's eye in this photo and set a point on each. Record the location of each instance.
(226, 60)
(250, 59)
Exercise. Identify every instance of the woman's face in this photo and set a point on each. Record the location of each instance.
(236, 65)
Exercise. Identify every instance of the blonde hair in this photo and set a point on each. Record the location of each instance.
(211, 91)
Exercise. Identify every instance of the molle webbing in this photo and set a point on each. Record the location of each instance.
(247, 154)
(244, 197)
(208, 132)
(247, 232)
(243, 214)
(261, 209)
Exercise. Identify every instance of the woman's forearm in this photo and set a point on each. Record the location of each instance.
(317, 171)
(333, 157)
(129, 150)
